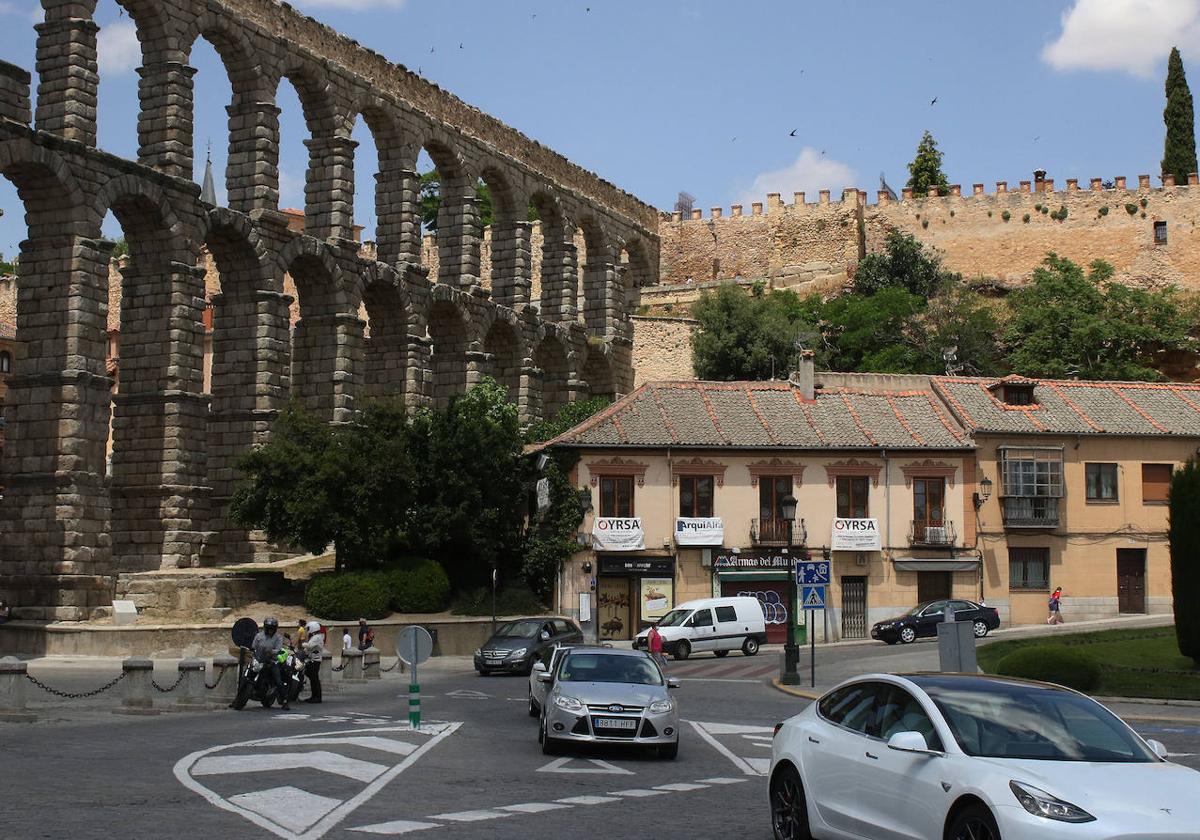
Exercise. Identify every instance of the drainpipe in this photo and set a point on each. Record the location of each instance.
(887, 496)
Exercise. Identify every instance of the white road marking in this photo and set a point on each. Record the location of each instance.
(762, 765)
(327, 762)
(737, 729)
(637, 793)
(371, 742)
(723, 750)
(716, 680)
(468, 694)
(559, 765)
(587, 800)
(532, 807)
(470, 816)
(291, 807)
(679, 787)
(396, 827)
(721, 780)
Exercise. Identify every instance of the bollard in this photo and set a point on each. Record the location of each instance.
(137, 701)
(371, 664)
(225, 680)
(190, 690)
(327, 683)
(12, 691)
(352, 666)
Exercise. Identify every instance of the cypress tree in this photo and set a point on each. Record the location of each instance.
(1183, 532)
(926, 168)
(1179, 149)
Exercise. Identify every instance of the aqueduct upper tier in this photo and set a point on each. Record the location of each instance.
(68, 523)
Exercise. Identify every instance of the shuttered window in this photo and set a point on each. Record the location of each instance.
(1156, 481)
(1029, 568)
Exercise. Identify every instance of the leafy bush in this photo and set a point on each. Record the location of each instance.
(1103, 211)
(1038, 208)
(1131, 208)
(517, 599)
(1025, 218)
(1144, 202)
(925, 223)
(347, 596)
(420, 586)
(1006, 215)
(1052, 663)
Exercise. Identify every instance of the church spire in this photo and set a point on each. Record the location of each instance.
(208, 190)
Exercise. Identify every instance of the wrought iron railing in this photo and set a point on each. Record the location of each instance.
(1030, 511)
(924, 532)
(776, 531)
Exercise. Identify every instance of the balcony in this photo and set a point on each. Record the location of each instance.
(775, 532)
(1030, 511)
(924, 533)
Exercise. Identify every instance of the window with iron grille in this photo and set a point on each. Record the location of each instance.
(1031, 472)
(1029, 568)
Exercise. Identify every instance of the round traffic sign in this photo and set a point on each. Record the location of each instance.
(244, 631)
(414, 645)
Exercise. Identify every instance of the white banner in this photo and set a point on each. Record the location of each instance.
(617, 533)
(702, 531)
(855, 535)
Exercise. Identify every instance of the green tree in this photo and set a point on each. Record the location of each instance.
(1179, 148)
(752, 336)
(313, 484)
(882, 332)
(926, 169)
(960, 317)
(470, 511)
(1068, 323)
(567, 417)
(431, 201)
(904, 263)
(1183, 534)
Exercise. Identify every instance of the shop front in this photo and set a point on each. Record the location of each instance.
(632, 593)
(761, 574)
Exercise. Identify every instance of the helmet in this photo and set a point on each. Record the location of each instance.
(271, 624)
(314, 627)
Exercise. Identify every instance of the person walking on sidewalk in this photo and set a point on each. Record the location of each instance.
(1055, 607)
(654, 645)
(314, 649)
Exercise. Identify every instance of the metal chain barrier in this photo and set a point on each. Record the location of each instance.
(341, 667)
(217, 681)
(395, 665)
(174, 685)
(367, 665)
(80, 695)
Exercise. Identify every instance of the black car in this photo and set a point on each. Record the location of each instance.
(923, 619)
(517, 644)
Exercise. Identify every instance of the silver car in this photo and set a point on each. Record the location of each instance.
(607, 696)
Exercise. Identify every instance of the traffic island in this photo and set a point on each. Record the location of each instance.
(807, 694)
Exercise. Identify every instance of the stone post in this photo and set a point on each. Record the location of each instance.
(252, 173)
(14, 93)
(67, 72)
(137, 697)
(329, 188)
(352, 666)
(225, 679)
(165, 123)
(326, 673)
(190, 691)
(12, 691)
(370, 664)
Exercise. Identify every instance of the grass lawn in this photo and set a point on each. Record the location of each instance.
(1135, 663)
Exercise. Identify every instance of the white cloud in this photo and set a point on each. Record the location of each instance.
(1133, 36)
(118, 48)
(809, 173)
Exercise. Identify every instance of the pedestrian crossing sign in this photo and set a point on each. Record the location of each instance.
(813, 598)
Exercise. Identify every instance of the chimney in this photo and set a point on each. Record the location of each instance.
(806, 377)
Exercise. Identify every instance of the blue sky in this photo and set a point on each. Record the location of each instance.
(700, 95)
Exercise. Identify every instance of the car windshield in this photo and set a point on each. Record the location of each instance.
(917, 609)
(999, 719)
(525, 629)
(609, 668)
(674, 618)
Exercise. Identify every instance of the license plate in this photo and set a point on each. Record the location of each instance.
(614, 723)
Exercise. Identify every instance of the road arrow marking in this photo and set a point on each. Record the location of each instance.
(289, 806)
(326, 762)
(468, 694)
(559, 765)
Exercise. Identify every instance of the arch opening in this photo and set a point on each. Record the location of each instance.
(551, 358)
(502, 349)
(449, 338)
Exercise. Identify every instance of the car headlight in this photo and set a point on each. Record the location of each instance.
(1041, 804)
(885, 625)
(660, 706)
(518, 653)
(568, 703)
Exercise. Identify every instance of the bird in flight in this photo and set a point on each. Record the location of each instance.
(933, 102)
(460, 45)
(431, 50)
(792, 133)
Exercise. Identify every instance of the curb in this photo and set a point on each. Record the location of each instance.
(1150, 701)
(792, 690)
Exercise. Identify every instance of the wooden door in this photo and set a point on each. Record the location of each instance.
(1131, 580)
(933, 586)
(854, 607)
(929, 495)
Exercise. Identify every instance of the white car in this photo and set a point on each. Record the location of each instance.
(716, 624)
(548, 661)
(966, 757)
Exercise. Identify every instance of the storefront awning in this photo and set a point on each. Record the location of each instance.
(939, 564)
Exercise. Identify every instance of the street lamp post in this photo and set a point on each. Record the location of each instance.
(791, 651)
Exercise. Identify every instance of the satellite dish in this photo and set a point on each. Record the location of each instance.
(244, 631)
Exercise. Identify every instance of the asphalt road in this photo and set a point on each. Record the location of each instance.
(351, 768)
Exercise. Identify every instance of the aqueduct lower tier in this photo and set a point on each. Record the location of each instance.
(69, 524)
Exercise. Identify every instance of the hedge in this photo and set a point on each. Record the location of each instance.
(1052, 663)
(422, 587)
(348, 596)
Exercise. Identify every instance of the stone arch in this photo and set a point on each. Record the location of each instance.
(503, 355)
(397, 229)
(598, 372)
(634, 272)
(133, 195)
(450, 344)
(508, 238)
(458, 231)
(386, 356)
(552, 359)
(597, 275)
(556, 258)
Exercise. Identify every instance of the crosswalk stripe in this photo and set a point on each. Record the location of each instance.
(680, 786)
(292, 808)
(637, 793)
(323, 760)
(721, 780)
(532, 807)
(371, 742)
(395, 827)
(470, 816)
(587, 800)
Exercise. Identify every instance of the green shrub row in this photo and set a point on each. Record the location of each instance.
(416, 586)
(1052, 663)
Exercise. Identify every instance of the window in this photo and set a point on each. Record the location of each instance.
(696, 495)
(1101, 482)
(772, 490)
(853, 707)
(852, 497)
(726, 614)
(701, 618)
(616, 496)
(901, 712)
(1156, 482)
(1029, 568)
(1160, 233)
(929, 496)
(1031, 472)
(1018, 394)
(5, 361)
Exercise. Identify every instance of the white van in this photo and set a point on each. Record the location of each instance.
(716, 624)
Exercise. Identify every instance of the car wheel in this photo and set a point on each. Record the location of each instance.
(669, 751)
(682, 651)
(789, 809)
(908, 635)
(721, 654)
(550, 746)
(750, 647)
(974, 822)
(981, 629)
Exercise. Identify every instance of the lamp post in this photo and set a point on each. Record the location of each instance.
(791, 651)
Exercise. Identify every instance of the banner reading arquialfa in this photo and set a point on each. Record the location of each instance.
(708, 530)
(855, 535)
(617, 533)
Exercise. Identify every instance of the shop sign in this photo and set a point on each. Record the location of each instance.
(709, 530)
(637, 566)
(855, 535)
(618, 533)
(727, 561)
(656, 597)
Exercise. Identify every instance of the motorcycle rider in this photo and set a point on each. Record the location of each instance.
(266, 646)
(314, 649)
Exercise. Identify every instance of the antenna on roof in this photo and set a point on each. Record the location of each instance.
(950, 357)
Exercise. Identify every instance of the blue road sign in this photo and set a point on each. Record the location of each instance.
(812, 598)
(812, 573)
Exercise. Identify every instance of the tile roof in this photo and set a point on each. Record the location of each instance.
(1077, 407)
(769, 415)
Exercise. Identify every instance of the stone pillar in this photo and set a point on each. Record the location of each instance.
(137, 698)
(252, 170)
(327, 351)
(602, 302)
(326, 674)
(66, 69)
(14, 93)
(529, 393)
(459, 234)
(512, 263)
(329, 188)
(397, 211)
(165, 123)
(225, 679)
(189, 694)
(55, 560)
(560, 276)
(13, 691)
(371, 663)
(352, 666)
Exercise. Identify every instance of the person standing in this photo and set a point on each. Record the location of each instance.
(266, 647)
(654, 644)
(347, 640)
(301, 632)
(1055, 607)
(314, 650)
(366, 636)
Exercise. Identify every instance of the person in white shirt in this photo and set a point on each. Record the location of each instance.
(347, 640)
